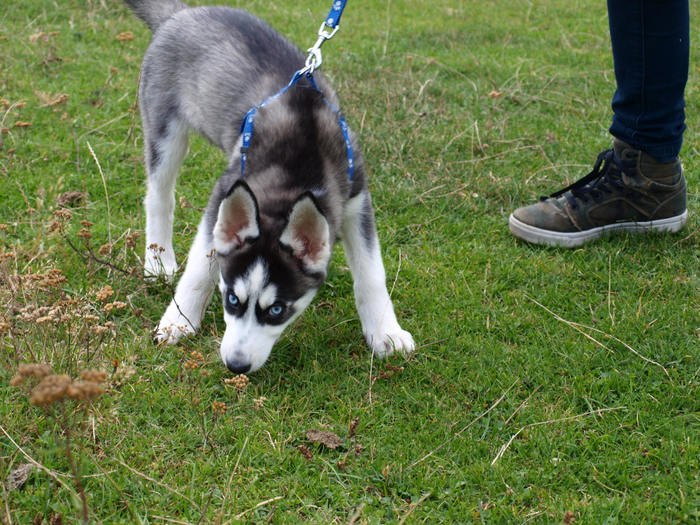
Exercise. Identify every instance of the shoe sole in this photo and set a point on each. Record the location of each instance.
(573, 240)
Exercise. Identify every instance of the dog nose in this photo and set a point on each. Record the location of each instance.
(237, 367)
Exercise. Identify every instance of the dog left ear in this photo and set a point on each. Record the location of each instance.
(238, 220)
(307, 234)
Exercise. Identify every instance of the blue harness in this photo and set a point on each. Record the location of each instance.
(312, 62)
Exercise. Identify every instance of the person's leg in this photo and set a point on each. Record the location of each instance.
(651, 44)
(638, 185)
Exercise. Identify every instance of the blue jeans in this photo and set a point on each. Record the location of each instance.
(651, 47)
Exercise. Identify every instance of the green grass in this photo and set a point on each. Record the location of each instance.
(465, 110)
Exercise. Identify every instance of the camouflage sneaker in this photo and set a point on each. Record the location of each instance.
(628, 190)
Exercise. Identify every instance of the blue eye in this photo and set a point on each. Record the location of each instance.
(275, 310)
(233, 300)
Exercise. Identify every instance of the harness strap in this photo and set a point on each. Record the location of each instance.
(312, 62)
(249, 121)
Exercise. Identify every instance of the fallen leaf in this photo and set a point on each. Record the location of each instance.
(304, 451)
(326, 438)
(70, 199)
(19, 476)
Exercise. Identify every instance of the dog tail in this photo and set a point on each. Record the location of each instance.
(155, 12)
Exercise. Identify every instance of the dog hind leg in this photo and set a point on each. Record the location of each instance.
(193, 292)
(361, 244)
(164, 156)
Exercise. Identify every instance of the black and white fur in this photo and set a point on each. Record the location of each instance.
(265, 240)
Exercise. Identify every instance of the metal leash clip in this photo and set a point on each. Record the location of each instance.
(315, 59)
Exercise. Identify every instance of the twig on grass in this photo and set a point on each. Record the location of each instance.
(7, 506)
(578, 327)
(521, 406)
(433, 343)
(388, 27)
(357, 514)
(104, 183)
(414, 506)
(105, 124)
(551, 421)
(262, 503)
(432, 60)
(204, 511)
(144, 476)
(90, 254)
(495, 155)
(38, 465)
(217, 521)
(464, 429)
(121, 494)
(170, 520)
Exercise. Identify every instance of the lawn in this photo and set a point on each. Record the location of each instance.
(548, 386)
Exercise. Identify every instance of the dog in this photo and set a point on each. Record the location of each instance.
(267, 234)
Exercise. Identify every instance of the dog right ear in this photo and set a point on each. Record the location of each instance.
(238, 220)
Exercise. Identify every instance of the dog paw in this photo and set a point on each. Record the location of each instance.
(397, 340)
(153, 271)
(159, 263)
(171, 332)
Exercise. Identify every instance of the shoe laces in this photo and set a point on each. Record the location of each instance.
(605, 177)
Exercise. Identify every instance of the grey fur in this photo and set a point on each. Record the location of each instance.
(154, 12)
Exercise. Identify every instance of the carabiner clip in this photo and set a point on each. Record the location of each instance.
(315, 59)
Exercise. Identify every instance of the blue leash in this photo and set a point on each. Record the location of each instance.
(312, 63)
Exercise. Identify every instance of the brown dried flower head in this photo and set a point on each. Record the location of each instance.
(35, 370)
(96, 376)
(125, 36)
(219, 407)
(84, 390)
(60, 100)
(104, 293)
(55, 388)
(116, 305)
(52, 388)
(240, 381)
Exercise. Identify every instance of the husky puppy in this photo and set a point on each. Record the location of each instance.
(267, 235)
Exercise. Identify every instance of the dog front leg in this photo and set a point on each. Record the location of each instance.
(193, 293)
(361, 244)
(164, 156)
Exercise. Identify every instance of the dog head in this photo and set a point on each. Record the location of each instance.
(270, 272)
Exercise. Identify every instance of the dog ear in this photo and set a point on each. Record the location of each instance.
(238, 220)
(307, 234)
